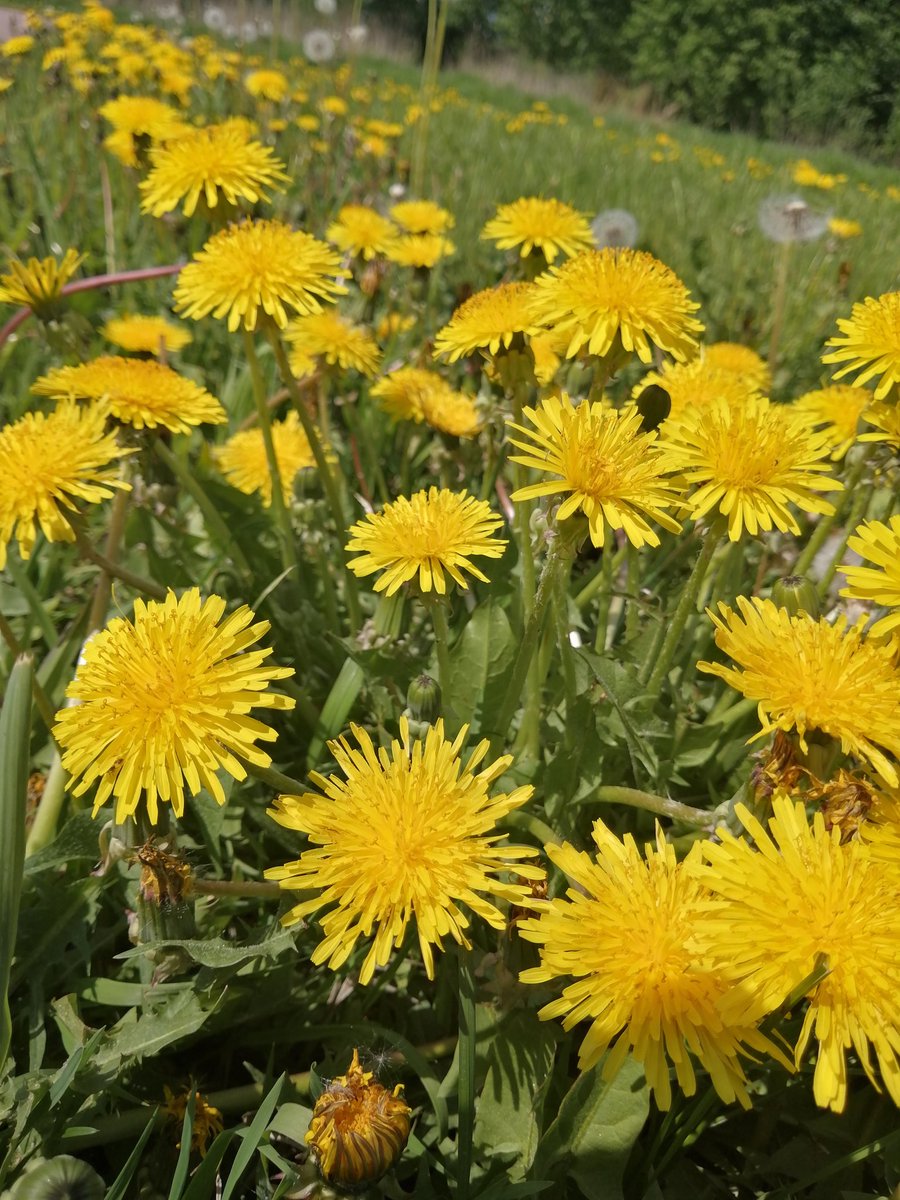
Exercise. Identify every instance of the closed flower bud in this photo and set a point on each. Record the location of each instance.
(358, 1129)
(797, 594)
(423, 699)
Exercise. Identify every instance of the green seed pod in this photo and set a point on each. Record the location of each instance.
(797, 594)
(60, 1178)
(423, 699)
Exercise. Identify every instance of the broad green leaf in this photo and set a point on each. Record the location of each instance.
(291, 1121)
(483, 652)
(76, 841)
(140, 1037)
(216, 952)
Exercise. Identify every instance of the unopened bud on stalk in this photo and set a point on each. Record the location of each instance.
(423, 699)
(797, 594)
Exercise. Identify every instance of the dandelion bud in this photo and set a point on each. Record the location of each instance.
(797, 594)
(358, 1129)
(423, 699)
(60, 1178)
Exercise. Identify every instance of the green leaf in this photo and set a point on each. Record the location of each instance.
(520, 1064)
(139, 1037)
(122, 1185)
(292, 1121)
(484, 652)
(203, 1181)
(623, 690)
(184, 1154)
(592, 1136)
(251, 1138)
(77, 840)
(217, 952)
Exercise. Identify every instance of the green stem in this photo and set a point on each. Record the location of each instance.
(274, 779)
(542, 833)
(779, 299)
(827, 522)
(607, 576)
(329, 483)
(46, 819)
(657, 666)
(661, 805)
(279, 508)
(103, 586)
(561, 615)
(116, 570)
(466, 1085)
(632, 600)
(437, 607)
(26, 587)
(41, 701)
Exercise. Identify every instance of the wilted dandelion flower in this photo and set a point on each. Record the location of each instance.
(140, 334)
(318, 45)
(833, 904)
(243, 462)
(697, 383)
(407, 836)
(487, 321)
(38, 284)
(790, 219)
(328, 335)
(141, 393)
(358, 1128)
(625, 930)
(878, 543)
(362, 231)
(268, 85)
(750, 463)
(807, 674)
(837, 411)
(612, 471)
(216, 164)
(546, 225)
(603, 295)
(739, 360)
(614, 227)
(422, 216)
(164, 701)
(207, 1119)
(870, 343)
(51, 462)
(423, 250)
(422, 536)
(258, 265)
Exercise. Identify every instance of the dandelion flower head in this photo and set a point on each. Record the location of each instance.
(870, 343)
(532, 223)
(421, 250)
(362, 231)
(164, 701)
(268, 84)
(422, 216)
(329, 336)
(38, 284)
(243, 462)
(487, 321)
(415, 394)
(135, 118)
(139, 334)
(207, 1118)
(740, 360)
(697, 383)
(407, 835)
(837, 410)
(878, 543)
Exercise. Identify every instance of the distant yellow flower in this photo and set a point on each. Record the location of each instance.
(207, 1119)
(15, 46)
(140, 334)
(741, 360)
(242, 459)
(798, 899)
(258, 266)
(879, 543)
(885, 418)
(843, 228)
(140, 392)
(422, 536)
(807, 674)
(419, 250)
(392, 324)
(422, 216)
(38, 284)
(362, 231)
(625, 930)
(750, 463)
(268, 85)
(604, 295)
(164, 701)
(693, 384)
(328, 335)
(451, 412)
(358, 1128)
(837, 410)
(217, 164)
(487, 321)
(546, 225)
(414, 394)
(138, 117)
(612, 471)
(871, 343)
(407, 836)
(50, 462)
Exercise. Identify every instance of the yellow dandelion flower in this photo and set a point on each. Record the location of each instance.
(38, 284)
(422, 216)
(50, 462)
(207, 1118)
(164, 701)
(422, 536)
(451, 412)
(358, 1128)
(242, 459)
(138, 118)
(836, 410)
(392, 324)
(402, 392)
(741, 360)
(423, 250)
(835, 905)
(546, 225)
(612, 471)
(220, 163)
(625, 933)
(807, 674)
(139, 334)
(602, 295)
(140, 392)
(494, 318)
(258, 266)
(268, 85)
(749, 463)
(885, 418)
(362, 231)
(870, 343)
(408, 835)
(697, 383)
(14, 47)
(878, 543)
(844, 228)
(329, 336)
